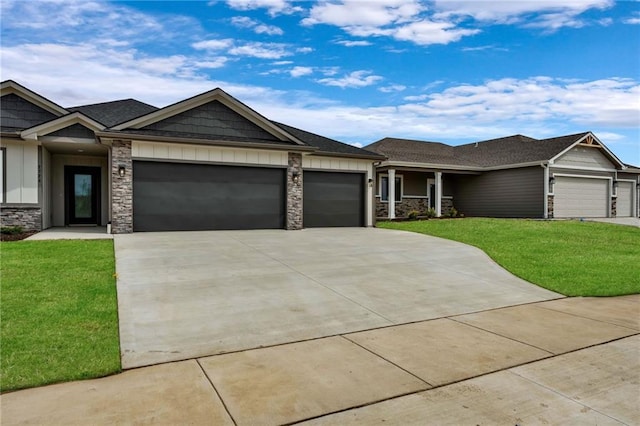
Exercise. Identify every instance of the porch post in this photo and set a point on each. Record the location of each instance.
(392, 193)
(438, 202)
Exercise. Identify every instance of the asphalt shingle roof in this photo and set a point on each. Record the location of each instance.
(325, 144)
(115, 112)
(514, 149)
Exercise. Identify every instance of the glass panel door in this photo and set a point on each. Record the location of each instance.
(82, 195)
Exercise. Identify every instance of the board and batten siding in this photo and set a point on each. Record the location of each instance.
(501, 193)
(585, 157)
(22, 172)
(208, 154)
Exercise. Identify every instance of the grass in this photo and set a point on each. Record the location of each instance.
(58, 312)
(569, 257)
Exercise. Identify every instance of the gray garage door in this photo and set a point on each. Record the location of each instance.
(581, 197)
(189, 197)
(333, 199)
(624, 204)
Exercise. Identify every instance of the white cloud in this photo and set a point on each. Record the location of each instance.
(274, 7)
(429, 32)
(484, 48)
(261, 50)
(545, 14)
(215, 44)
(635, 20)
(282, 63)
(367, 14)
(257, 26)
(392, 88)
(304, 49)
(354, 43)
(355, 79)
(300, 71)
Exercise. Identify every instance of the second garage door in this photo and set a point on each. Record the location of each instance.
(188, 197)
(581, 197)
(624, 206)
(333, 199)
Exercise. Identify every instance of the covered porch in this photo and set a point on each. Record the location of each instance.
(425, 191)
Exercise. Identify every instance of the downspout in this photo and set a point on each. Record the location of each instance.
(546, 190)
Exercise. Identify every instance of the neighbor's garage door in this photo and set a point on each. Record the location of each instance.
(187, 197)
(581, 197)
(624, 205)
(333, 199)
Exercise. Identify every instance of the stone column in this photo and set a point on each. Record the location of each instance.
(121, 188)
(294, 191)
(550, 206)
(614, 207)
(391, 192)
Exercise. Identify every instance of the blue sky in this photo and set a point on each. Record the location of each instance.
(355, 70)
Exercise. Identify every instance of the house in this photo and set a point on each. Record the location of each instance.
(207, 162)
(570, 176)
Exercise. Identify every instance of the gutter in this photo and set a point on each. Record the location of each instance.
(208, 142)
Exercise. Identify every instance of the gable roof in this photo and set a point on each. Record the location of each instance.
(11, 87)
(61, 123)
(500, 152)
(115, 112)
(327, 145)
(218, 95)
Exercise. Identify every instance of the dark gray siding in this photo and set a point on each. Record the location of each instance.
(74, 131)
(212, 120)
(16, 112)
(501, 193)
(415, 183)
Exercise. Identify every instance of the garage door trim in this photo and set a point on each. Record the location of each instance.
(609, 190)
(633, 201)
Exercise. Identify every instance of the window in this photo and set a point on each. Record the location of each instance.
(384, 188)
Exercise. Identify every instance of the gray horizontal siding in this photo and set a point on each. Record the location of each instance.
(501, 193)
(20, 113)
(214, 120)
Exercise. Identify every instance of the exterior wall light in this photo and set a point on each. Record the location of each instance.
(121, 170)
(615, 184)
(370, 181)
(295, 176)
(552, 180)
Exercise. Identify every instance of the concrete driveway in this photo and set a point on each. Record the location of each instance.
(184, 295)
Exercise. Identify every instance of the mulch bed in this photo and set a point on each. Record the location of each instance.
(16, 237)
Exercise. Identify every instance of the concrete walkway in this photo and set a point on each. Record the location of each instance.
(184, 295)
(566, 361)
(629, 221)
(72, 233)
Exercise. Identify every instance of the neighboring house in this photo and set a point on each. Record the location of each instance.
(517, 176)
(207, 162)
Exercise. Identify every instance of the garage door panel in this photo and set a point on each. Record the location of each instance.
(333, 199)
(173, 196)
(581, 197)
(624, 203)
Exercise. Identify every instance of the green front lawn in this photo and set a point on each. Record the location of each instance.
(569, 257)
(58, 312)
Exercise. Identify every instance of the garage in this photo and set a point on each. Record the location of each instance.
(333, 199)
(581, 197)
(624, 204)
(190, 197)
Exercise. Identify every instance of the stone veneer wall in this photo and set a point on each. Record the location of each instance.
(550, 206)
(294, 192)
(29, 217)
(614, 207)
(122, 188)
(407, 205)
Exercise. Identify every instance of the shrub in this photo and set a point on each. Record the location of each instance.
(413, 215)
(11, 230)
(431, 213)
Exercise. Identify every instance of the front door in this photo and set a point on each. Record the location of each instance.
(82, 195)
